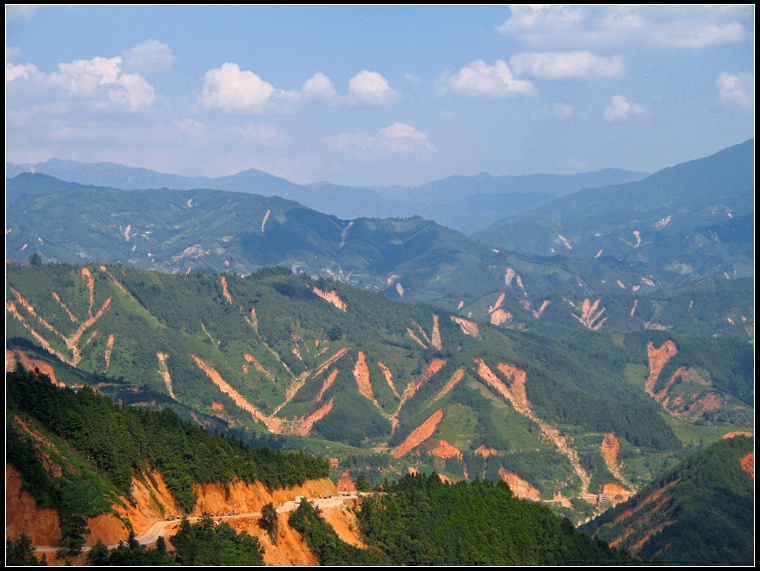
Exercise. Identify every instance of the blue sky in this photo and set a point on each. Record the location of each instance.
(379, 95)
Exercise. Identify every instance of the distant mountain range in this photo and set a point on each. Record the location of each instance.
(693, 219)
(696, 232)
(465, 203)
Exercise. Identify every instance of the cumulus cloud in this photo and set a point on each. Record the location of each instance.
(234, 90)
(395, 139)
(530, 22)
(19, 71)
(100, 80)
(319, 86)
(637, 25)
(370, 88)
(480, 78)
(738, 89)
(99, 75)
(149, 56)
(620, 109)
(561, 65)
(400, 138)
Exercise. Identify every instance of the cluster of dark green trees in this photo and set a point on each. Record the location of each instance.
(203, 543)
(709, 505)
(419, 520)
(324, 542)
(20, 551)
(121, 442)
(124, 442)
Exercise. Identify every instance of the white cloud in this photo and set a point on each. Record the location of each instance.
(561, 65)
(400, 138)
(19, 71)
(495, 80)
(697, 35)
(238, 91)
(395, 139)
(230, 89)
(605, 25)
(148, 57)
(527, 20)
(319, 86)
(371, 88)
(100, 79)
(739, 89)
(620, 109)
(85, 77)
(131, 91)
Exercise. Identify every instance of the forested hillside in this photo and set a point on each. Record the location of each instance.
(175, 231)
(575, 379)
(465, 203)
(418, 520)
(699, 513)
(114, 444)
(84, 469)
(379, 386)
(689, 221)
(602, 259)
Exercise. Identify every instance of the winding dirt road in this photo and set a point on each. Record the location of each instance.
(160, 528)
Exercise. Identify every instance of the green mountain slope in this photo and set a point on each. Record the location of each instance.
(350, 374)
(710, 307)
(77, 452)
(410, 259)
(216, 231)
(685, 222)
(700, 513)
(458, 202)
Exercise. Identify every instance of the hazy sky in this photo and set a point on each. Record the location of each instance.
(378, 95)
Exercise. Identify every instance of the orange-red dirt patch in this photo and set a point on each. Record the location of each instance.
(419, 435)
(748, 464)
